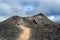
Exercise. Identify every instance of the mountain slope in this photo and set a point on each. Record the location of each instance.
(37, 27)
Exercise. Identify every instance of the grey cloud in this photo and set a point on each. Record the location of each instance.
(16, 7)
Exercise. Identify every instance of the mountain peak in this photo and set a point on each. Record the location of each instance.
(12, 20)
(40, 14)
(39, 18)
(37, 27)
(15, 17)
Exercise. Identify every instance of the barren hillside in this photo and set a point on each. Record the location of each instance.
(37, 27)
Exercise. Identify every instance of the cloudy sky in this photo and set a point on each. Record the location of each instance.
(23, 8)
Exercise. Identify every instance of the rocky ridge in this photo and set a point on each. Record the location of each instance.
(41, 28)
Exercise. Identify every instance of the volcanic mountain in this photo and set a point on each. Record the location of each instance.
(37, 27)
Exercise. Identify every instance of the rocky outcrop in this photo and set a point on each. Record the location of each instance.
(37, 27)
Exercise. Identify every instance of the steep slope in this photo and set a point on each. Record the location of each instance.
(37, 27)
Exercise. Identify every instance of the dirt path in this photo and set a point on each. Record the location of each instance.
(26, 33)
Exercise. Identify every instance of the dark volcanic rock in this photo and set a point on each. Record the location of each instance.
(41, 28)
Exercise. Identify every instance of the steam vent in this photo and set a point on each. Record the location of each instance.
(37, 27)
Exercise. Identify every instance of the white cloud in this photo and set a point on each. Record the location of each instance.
(15, 7)
(6, 8)
(2, 18)
(55, 18)
(19, 10)
(44, 6)
(12, 10)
